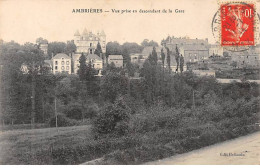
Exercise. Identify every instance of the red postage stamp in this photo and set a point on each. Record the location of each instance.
(237, 24)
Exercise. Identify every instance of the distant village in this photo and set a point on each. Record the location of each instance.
(199, 56)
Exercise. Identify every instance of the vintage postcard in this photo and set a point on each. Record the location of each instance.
(129, 82)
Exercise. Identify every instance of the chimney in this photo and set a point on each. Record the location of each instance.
(51, 55)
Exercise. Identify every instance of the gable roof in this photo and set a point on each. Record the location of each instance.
(93, 56)
(115, 57)
(61, 55)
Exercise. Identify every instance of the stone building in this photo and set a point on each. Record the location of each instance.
(96, 62)
(61, 64)
(87, 41)
(116, 59)
(193, 50)
(247, 59)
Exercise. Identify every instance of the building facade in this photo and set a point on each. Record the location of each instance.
(249, 58)
(61, 64)
(116, 59)
(96, 62)
(87, 41)
(192, 50)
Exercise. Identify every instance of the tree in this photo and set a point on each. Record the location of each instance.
(181, 63)
(126, 57)
(113, 85)
(113, 118)
(82, 67)
(154, 57)
(89, 72)
(33, 61)
(98, 50)
(40, 40)
(55, 48)
(168, 59)
(70, 47)
(113, 48)
(163, 57)
(147, 43)
(177, 58)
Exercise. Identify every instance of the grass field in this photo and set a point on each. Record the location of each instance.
(21, 146)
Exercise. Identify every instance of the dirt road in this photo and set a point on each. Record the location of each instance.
(243, 150)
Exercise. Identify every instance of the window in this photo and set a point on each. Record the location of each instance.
(67, 62)
(56, 67)
(90, 44)
(56, 62)
(62, 67)
(62, 62)
(67, 68)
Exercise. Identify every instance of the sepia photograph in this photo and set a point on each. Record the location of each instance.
(129, 82)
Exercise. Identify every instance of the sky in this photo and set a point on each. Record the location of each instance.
(25, 20)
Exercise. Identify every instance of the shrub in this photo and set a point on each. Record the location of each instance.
(112, 118)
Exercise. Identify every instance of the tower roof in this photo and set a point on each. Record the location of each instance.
(102, 33)
(77, 33)
(85, 32)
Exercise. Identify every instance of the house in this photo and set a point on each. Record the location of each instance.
(192, 50)
(61, 64)
(137, 58)
(116, 59)
(96, 61)
(194, 53)
(247, 59)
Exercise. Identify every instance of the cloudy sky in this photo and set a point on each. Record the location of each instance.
(25, 20)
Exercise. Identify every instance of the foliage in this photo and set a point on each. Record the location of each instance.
(98, 50)
(112, 119)
(147, 43)
(113, 85)
(168, 59)
(82, 67)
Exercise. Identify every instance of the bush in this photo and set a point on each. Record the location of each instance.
(112, 119)
(62, 121)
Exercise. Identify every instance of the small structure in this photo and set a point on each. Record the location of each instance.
(116, 59)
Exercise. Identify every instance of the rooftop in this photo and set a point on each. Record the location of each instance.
(115, 57)
(61, 55)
